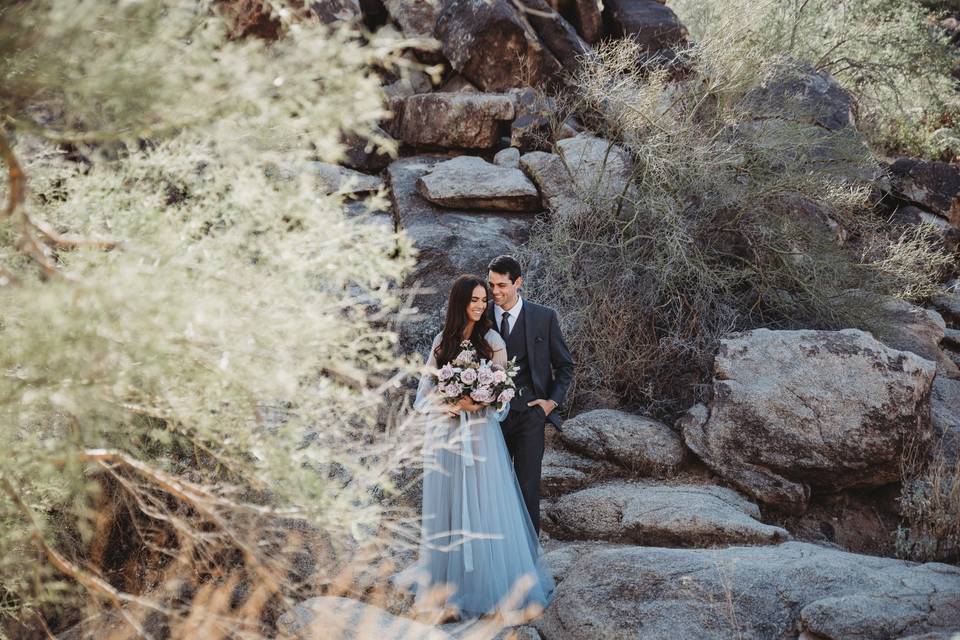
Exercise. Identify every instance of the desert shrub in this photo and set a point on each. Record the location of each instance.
(729, 221)
(889, 53)
(930, 506)
(196, 347)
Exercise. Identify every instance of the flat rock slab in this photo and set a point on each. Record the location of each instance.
(794, 411)
(450, 242)
(750, 593)
(463, 120)
(332, 178)
(660, 514)
(348, 619)
(468, 182)
(562, 555)
(639, 444)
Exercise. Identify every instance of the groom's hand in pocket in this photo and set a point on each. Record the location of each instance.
(545, 405)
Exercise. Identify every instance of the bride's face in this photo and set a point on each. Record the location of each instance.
(478, 304)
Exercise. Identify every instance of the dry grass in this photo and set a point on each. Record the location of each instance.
(930, 506)
(726, 224)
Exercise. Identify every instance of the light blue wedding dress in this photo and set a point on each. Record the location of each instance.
(476, 535)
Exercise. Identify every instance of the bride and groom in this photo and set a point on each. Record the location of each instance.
(479, 549)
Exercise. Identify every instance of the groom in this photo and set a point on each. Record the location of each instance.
(545, 370)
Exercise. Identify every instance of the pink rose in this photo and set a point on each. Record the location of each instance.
(505, 396)
(485, 376)
(481, 394)
(445, 373)
(454, 390)
(469, 376)
(499, 377)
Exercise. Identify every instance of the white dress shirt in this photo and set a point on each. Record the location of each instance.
(514, 314)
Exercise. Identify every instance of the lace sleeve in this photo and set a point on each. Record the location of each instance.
(426, 399)
(499, 357)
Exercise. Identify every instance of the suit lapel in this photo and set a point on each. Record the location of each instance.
(528, 335)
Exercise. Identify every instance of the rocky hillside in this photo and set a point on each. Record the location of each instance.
(770, 509)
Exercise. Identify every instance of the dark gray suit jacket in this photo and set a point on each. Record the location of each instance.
(551, 365)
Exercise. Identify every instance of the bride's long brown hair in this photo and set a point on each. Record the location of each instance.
(460, 294)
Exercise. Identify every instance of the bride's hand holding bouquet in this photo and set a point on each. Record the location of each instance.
(470, 384)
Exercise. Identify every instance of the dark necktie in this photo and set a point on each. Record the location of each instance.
(505, 325)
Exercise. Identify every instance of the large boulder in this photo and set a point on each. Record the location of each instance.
(660, 514)
(557, 189)
(907, 327)
(600, 171)
(637, 443)
(562, 555)
(416, 18)
(490, 44)
(555, 32)
(945, 418)
(750, 593)
(347, 619)
(801, 94)
(463, 120)
(947, 302)
(935, 186)
(796, 102)
(450, 242)
(468, 182)
(794, 411)
(951, 339)
(910, 328)
(584, 15)
(563, 471)
(649, 22)
(532, 128)
(363, 154)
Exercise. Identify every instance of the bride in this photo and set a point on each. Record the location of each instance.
(478, 548)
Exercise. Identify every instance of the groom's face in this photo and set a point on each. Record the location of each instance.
(504, 292)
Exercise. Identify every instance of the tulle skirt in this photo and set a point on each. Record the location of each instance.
(477, 538)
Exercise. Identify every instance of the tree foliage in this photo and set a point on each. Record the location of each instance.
(889, 53)
(185, 321)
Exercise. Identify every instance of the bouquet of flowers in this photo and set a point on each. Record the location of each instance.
(482, 381)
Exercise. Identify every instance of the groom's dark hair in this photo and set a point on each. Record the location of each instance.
(506, 265)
